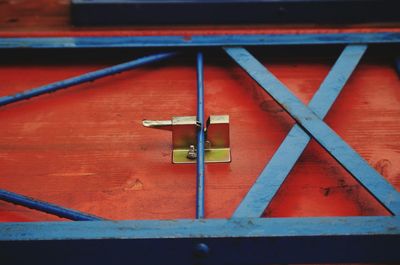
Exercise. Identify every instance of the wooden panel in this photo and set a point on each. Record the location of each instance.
(85, 147)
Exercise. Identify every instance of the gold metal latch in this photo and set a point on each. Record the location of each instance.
(184, 130)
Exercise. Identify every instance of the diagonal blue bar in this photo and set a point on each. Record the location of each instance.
(274, 174)
(319, 130)
(46, 207)
(88, 77)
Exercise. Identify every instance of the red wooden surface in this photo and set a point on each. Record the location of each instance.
(85, 148)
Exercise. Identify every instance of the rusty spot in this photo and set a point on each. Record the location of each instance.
(134, 185)
(187, 38)
(143, 147)
(12, 20)
(383, 166)
(326, 191)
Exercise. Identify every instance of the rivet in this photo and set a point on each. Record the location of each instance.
(202, 250)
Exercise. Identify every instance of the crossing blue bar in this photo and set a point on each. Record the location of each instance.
(84, 78)
(199, 40)
(200, 137)
(46, 207)
(274, 174)
(319, 130)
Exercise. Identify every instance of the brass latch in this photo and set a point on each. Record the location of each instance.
(184, 130)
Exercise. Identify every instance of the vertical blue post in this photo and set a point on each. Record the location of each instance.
(200, 138)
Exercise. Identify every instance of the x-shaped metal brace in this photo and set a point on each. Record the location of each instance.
(309, 124)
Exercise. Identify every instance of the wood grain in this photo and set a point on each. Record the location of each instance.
(85, 148)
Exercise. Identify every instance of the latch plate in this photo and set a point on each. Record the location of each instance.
(184, 130)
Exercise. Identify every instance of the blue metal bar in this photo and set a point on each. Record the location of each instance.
(210, 228)
(46, 207)
(84, 78)
(234, 241)
(200, 137)
(319, 130)
(199, 40)
(274, 174)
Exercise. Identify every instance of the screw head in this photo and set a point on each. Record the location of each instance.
(202, 250)
(192, 154)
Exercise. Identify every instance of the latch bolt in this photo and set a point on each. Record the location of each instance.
(184, 141)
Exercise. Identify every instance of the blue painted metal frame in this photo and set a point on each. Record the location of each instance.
(237, 240)
(199, 40)
(280, 165)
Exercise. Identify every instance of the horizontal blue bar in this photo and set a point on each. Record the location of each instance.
(46, 207)
(235, 241)
(200, 40)
(203, 228)
(274, 174)
(377, 185)
(83, 78)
